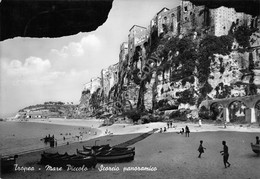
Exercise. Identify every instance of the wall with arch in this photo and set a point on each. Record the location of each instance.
(252, 110)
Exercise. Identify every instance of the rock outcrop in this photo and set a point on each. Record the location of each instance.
(51, 18)
(49, 110)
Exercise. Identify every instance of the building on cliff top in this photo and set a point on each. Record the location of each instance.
(93, 85)
(109, 77)
(138, 35)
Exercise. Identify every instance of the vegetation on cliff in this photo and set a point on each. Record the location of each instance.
(182, 61)
(187, 59)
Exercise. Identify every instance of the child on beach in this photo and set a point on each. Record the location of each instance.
(181, 132)
(225, 154)
(201, 149)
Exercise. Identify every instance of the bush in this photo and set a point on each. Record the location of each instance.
(175, 114)
(133, 114)
(145, 119)
(204, 113)
(178, 115)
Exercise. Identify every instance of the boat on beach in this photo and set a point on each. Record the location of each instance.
(63, 160)
(255, 148)
(7, 163)
(107, 154)
(96, 147)
(107, 147)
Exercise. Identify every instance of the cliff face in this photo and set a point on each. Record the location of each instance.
(179, 70)
(230, 75)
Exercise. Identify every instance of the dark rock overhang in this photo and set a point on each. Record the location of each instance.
(51, 18)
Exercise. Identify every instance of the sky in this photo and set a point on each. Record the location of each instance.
(37, 70)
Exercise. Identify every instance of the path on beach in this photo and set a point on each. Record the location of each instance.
(136, 139)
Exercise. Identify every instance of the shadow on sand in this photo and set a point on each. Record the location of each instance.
(251, 156)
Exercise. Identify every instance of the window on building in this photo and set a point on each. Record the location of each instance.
(173, 15)
(185, 8)
(237, 21)
(165, 20)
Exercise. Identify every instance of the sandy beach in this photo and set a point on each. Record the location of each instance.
(172, 155)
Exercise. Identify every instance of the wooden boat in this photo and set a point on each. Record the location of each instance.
(115, 157)
(255, 148)
(107, 148)
(111, 155)
(96, 147)
(62, 160)
(7, 163)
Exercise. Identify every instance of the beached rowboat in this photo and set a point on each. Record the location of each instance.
(255, 148)
(7, 163)
(107, 148)
(111, 157)
(96, 147)
(110, 154)
(63, 160)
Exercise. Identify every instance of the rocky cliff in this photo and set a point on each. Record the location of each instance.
(210, 54)
(180, 72)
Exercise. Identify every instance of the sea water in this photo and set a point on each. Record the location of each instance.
(21, 137)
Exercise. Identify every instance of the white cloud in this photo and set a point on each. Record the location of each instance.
(60, 53)
(31, 66)
(76, 49)
(34, 70)
(91, 41)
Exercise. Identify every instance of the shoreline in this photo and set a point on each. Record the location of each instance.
(92, 124)
(128, 129)
(173, 155)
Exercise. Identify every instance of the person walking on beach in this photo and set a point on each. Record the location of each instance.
(201, 149)
(187, 132)
(225, 154)
(257, 140)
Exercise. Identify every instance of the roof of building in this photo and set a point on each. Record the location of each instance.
(137, 26)
(163, 10)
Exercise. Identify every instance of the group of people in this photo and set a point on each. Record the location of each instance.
(224, 152)
(186, 131)
(169, 124)
(163, 129)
